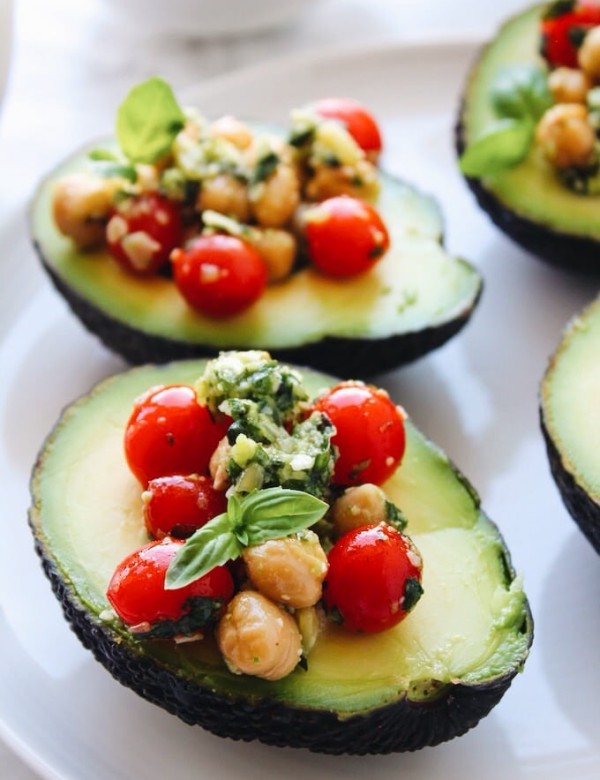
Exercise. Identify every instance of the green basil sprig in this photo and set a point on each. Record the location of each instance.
(148, 120)
(520, 96)
(253, 519)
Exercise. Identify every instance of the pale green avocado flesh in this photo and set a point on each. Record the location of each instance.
(571, 400)
(471, 626)
(417, 285)
(531, 189)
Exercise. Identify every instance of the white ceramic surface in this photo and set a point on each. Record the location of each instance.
(208, 18)
(476, 397)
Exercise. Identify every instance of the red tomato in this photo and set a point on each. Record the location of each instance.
(137, 588)
(143, 231)
(359, 122)
(562, 25)
(374, 578)
(219, 275)
(178, 505)
(169, 432)
(369, 434)
(345, 236)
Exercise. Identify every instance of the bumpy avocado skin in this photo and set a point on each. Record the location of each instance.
(573, 252)
(401, 726)
(344, 356)
(580, 505)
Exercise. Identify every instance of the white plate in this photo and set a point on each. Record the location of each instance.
(476, 397)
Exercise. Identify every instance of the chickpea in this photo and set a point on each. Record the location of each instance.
(277, 248)
(274, 201)
(569, 85)
(225, 194)
(233, 130)
(566, 137)
(81, 206)
(358, 506)
(259, 638)
(359, 180)
(588, 55)
(289, 570)
(218, 464)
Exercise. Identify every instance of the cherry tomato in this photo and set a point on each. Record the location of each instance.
(137, 588)
(169, 432)
(370, 435)
(219, 275)
(374, 578)
(358, 121)
(143, 231)
(561, 27)
(345, 236)
(177, 505)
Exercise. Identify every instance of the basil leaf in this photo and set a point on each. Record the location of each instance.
(212, 545)
(276, 512)
(503, 145)
(521, 92)
(115, 170)
(103, 155)
(148, 120)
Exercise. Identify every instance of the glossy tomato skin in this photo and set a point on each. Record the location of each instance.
(178, 505)
(359, 122)
(143, 231)
(137, 593)
(219, 275)
(169, 432)
(374, 578)
(345, 236)
(370, 435)
(558, 31)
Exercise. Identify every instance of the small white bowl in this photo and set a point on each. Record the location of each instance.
(208, 18)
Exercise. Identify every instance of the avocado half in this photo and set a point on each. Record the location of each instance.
(414, 300)
(570, 419)
(429, 679)
(528, 201)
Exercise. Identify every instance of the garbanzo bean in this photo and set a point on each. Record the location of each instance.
(358, 180)
(289, 570)
(274, 201)
(277, 248)
(225, 194)
(358, 506)
(566, 137)
(233, 130)
(258, 637)
(81, 205)
(588, 54)
(569, 85)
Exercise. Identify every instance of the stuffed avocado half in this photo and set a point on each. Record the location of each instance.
(420, 682)
(350, 302)
(527, 131)
(570, 419)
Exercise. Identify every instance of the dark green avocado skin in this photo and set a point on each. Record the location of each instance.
(335, 355)
(580, 505)
(401, 726)
(571, 252)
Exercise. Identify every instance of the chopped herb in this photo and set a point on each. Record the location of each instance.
(265, 167)
(413, 591)
(394, 516)
(198, 612)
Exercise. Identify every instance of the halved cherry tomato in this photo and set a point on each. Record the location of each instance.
(178, 505)
(137, 593)
(143, 231)
(374, 578)
(358, 121)
(345, 236)
(369, 436)
(169, 432)
(562, 26)
(219, 275)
